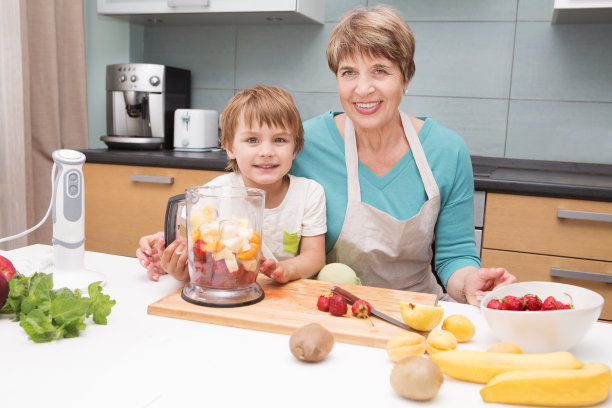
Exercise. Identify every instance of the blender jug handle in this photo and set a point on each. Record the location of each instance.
(170, 222)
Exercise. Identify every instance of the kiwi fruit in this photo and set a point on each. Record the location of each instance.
(311, 342)
(416, 378)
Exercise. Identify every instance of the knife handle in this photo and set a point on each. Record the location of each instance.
(350, 298)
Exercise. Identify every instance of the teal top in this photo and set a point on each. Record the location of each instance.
(400, 192)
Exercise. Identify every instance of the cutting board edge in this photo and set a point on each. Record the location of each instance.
(270, 327)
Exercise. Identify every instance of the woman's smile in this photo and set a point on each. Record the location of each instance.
(367, 108)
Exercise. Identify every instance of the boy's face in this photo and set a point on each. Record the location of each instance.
(263, 154)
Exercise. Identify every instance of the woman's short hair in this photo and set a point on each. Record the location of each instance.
(377, 31)
(265, 105)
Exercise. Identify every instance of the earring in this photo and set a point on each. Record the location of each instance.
(405, 91)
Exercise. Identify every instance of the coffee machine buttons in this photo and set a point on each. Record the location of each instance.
(123, 78)
(154, 80)
(133, 78)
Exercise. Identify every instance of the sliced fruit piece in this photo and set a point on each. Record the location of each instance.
(421, 317)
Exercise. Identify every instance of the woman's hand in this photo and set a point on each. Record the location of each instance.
(471, 284)
(484, 280)
(149, 252)
(174, 260)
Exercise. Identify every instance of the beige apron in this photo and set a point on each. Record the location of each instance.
(383, 251)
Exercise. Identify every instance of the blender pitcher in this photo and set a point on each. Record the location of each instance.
(223, 231)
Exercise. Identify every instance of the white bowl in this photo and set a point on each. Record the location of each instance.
(544, 331)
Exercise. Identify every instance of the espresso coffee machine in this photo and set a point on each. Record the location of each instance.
(140, 104)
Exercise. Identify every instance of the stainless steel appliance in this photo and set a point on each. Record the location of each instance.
(140, 104)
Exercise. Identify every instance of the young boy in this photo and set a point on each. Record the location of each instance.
(262, 132)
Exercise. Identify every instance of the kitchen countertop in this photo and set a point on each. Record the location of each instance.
(516, 176)
(141, 360)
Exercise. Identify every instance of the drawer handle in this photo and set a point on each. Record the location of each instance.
(139, 178)
(584, 215)
(597, 277)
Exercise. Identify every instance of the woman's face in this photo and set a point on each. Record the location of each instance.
(370, 90)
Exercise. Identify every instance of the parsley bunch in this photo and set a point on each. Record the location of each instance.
(47, 314)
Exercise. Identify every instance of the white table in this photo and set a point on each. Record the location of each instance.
(141, 360)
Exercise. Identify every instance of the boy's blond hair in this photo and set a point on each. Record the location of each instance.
(263, 104)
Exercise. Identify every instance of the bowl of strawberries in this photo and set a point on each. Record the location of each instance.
(541, 317)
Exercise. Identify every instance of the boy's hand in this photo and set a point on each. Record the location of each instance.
(274, 270)
(174, 260)
(150, 249)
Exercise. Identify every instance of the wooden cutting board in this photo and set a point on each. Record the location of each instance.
(289, 306)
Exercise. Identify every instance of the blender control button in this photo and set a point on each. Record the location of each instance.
(154, 80)
(73, 177)
(133, 78)
(73, 190)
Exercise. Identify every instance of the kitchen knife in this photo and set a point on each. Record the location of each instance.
(350, 299)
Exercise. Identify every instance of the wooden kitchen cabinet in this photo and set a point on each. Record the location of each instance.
(551, 239)
(123, 203)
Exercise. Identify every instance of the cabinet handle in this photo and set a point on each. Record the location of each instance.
(584, 215)
(597, 277)
(139, 178)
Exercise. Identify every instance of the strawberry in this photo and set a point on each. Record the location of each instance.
(550, 303)
(512, 303)
(323, 303)
(496, 304)
(531, 302)
(337, 305)
(198, 249)
(361, 309)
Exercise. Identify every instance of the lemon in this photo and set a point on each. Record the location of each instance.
(460, 326)
(421, 317)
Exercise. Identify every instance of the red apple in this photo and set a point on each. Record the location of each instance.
(7, 268)
(4, 290)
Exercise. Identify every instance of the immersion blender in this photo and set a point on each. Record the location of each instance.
(68, 213)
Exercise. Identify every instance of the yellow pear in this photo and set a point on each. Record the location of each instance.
(421, 317)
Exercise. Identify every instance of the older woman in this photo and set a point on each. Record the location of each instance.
(393, 182)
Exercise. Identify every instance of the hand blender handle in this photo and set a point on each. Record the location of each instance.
(170, 223)
(69, 198)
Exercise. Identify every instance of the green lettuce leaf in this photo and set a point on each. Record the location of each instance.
(47, 314)
(38, 326)
(101, 304)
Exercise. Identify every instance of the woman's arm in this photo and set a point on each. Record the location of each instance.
(306, 264)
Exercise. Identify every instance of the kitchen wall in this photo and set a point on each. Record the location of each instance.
(496, 71)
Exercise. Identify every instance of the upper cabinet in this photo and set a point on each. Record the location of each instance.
(582, 11)
(174, 12)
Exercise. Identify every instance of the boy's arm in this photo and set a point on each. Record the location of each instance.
(306, 264)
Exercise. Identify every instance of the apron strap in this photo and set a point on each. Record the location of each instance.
(431, 187)
(352, 159)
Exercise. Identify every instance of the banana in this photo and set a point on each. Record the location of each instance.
(585, 386)
(482, 366)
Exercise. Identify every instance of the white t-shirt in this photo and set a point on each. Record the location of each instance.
(302, 213)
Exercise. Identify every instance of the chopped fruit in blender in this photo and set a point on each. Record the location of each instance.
(199, 249)
(225, 252)
(254, 246)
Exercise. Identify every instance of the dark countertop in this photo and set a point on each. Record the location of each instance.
(516, 176)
